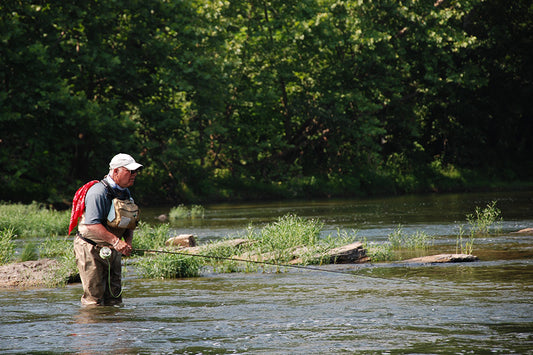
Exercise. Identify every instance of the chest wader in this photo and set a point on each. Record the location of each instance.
(124, 214)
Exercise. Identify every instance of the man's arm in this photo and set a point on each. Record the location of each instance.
(119, 245)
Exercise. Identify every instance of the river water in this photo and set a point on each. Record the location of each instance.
(381, 308)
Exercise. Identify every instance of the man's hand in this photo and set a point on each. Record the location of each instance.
(123, 248)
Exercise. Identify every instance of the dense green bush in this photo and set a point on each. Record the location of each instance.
(241, 100)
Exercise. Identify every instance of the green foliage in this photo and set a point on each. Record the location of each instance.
(33, 220)
(400, 240)
(60, 249)
(244, 100)
(55, 247)
(183, 212)
(179, 212)
(466, 246)
(168, 266)
(29, 252)
(197, 211)
(150, 237)
(288, 232)
(398, 243)
(276, 243)
(65, 271)
(482, 220)
(378, 251)
(219, 253)
(7, 245)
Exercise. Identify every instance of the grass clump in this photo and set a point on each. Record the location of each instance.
(29, 252)
(466, 246)
(398, 244)
(178, 212)
(150, 237)
(220, 253)
(59, 248)
(288, 239)
(7, 245)
(417, 241)
(286, 233)
(164, 264)
(182, 212)
(197, 211)
(33, 220)
(481, 222)
(378, 251)
(168, 266)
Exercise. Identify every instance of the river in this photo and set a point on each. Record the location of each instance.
(380, 308)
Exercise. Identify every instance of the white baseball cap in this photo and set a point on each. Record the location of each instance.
(124, 160)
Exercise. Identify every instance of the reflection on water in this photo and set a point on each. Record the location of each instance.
(480, 307)
(373, 218)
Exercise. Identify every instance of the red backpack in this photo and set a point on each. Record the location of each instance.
(78, 204)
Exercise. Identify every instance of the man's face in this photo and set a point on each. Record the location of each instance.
(124, 177)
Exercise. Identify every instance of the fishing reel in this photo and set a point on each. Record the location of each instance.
(105, 252)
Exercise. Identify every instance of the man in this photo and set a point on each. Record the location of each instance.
(101, 275)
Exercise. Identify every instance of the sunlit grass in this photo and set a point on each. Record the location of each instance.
(178, 212)
(7, 246)
(419, 240)
(150, 237)
(399, 243)
(168, 266)
(289, 238)
(182, 212)
(61, 249)
(481, 222)
(33, 220)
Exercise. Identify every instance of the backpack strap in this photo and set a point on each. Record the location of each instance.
(111, 193)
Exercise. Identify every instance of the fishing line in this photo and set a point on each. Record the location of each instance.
(302, 267)
(105, 253)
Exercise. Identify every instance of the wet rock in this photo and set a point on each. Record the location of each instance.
(162, 218)
(182, 240)
(351, 253)
(525, 231)
(443, 258)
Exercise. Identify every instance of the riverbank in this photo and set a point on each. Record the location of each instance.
(27, 274)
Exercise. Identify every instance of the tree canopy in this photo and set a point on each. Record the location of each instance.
(264, 99)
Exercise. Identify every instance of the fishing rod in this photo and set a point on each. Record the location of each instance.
(302, 267)
(243, 260)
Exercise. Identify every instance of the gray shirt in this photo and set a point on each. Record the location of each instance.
(97, 206)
